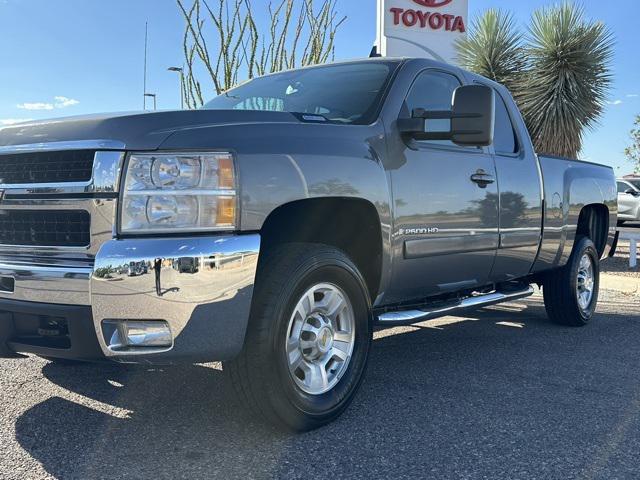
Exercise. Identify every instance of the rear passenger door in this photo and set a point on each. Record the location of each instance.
(520, 189)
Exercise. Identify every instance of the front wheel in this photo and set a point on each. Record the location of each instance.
(571, 293)
(308, 338)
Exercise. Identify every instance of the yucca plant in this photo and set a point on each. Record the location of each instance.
(494, 48)
(559, 73)
(565, 90)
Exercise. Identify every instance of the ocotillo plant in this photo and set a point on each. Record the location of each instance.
(224, 44)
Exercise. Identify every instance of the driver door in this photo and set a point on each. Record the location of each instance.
(446, 224)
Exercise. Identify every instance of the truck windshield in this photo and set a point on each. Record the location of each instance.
(346, 93)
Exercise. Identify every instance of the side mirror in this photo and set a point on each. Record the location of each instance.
(633, 192)
(472, 118)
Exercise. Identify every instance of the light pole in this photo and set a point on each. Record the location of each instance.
(180, 70)
(152, 95)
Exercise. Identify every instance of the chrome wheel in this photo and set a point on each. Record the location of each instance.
(320, 338)
(586, 282)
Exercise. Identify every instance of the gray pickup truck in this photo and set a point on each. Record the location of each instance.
(275, 228)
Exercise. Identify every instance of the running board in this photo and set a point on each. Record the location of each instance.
(413, 316)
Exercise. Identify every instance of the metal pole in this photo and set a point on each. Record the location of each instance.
(182, 88)
(144, 84)
(180, 70)
(633, 252)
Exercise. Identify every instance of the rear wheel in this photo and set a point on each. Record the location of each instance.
(571, 293)
(308, 338)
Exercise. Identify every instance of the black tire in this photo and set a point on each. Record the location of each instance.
(621, 222)
(560, 288)
(260, 374)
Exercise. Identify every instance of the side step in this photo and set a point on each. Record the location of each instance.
(413, 316)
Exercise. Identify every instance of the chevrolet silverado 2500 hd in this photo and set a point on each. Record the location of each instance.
(275, 227)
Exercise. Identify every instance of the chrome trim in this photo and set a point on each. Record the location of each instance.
(59, 146)
(412, 316)
(67, 286)
(204, 291)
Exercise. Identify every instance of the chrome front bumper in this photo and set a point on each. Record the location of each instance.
(201, 286)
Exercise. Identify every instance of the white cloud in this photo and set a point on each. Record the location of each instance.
(13, 121)
(615, 102)
(62, 102)
(35, 106)
(632, 95)
(59, 102)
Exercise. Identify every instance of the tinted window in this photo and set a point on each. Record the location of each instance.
(623, 187)
(347, 93)
(505, 140)
(635, 183)
(433, 91)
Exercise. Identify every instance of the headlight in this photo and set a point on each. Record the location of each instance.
(169, 192)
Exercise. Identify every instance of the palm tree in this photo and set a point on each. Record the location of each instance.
(494, 48)
(564, 76)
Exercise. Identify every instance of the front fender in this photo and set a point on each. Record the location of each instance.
(279, 163)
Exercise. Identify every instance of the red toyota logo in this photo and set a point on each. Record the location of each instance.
(433, 3)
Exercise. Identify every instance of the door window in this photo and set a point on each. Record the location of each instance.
(505, 140)
(623, 187)
(433, 91)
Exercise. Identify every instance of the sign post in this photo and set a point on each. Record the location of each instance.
(421, 28)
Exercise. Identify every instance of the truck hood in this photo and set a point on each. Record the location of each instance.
(131, 131)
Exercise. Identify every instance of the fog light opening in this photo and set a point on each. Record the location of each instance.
(138, 335)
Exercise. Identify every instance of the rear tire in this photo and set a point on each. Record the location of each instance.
(308, 339)
(571, 293)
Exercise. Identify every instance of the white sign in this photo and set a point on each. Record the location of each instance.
(421, 28)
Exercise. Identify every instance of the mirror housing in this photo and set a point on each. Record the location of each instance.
(633, 192)
(472, 118)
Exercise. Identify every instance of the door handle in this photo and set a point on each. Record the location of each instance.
(482, 178)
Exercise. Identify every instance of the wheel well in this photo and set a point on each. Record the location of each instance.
(594, 223)
(352, 225)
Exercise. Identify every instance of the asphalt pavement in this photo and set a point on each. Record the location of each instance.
(501, 393)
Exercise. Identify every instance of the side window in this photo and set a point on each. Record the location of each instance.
(623, 187)
(433, 90)
(505, 140)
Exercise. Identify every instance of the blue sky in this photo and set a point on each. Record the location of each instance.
(70, 57)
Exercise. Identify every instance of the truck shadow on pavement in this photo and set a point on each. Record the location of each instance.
(501, 393)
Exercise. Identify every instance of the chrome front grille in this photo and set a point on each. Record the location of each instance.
(47, 167)
(59, 201)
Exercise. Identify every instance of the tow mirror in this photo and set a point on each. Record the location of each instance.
(472, 117)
